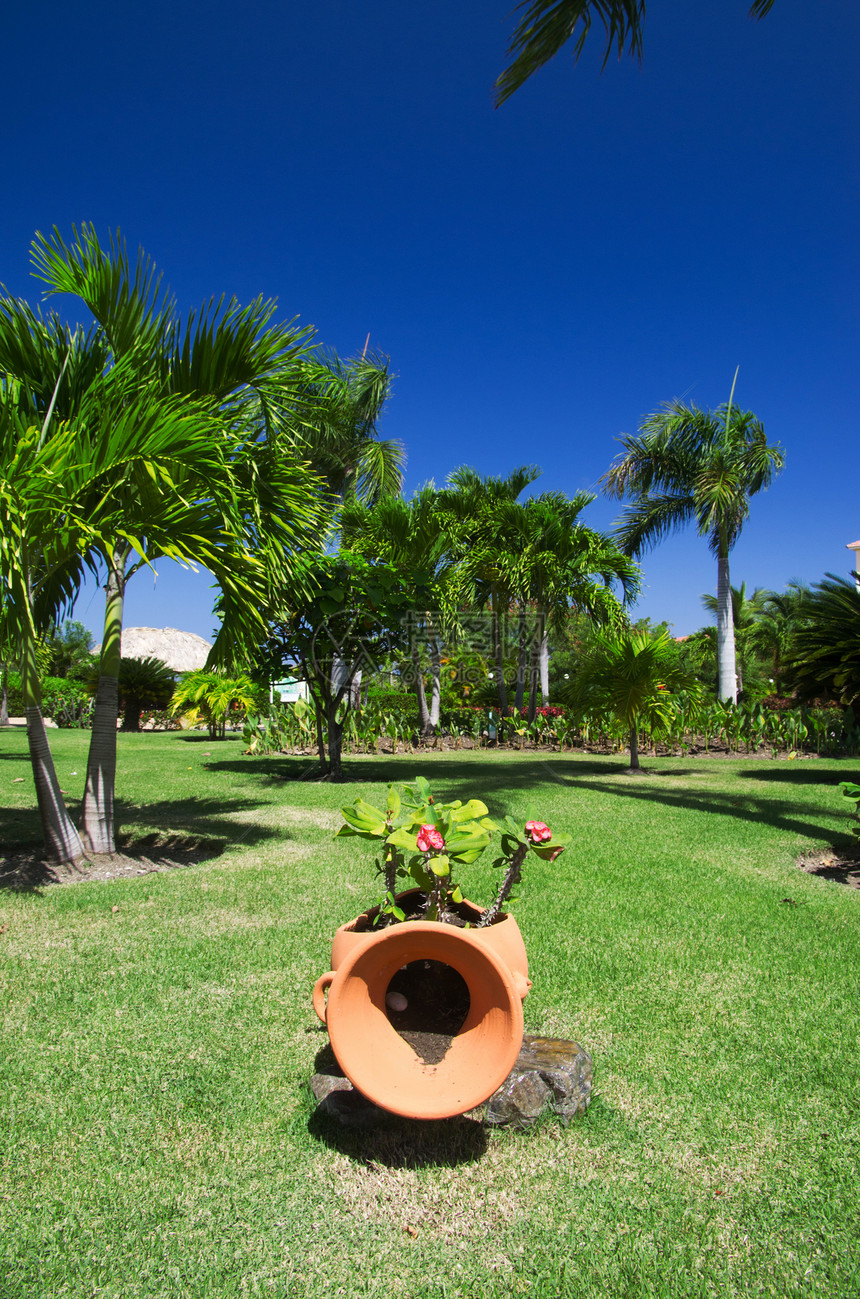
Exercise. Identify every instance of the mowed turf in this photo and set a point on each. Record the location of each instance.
(156, 1134)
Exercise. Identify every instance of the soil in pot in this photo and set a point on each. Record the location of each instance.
(460, 914)
(427, 1003)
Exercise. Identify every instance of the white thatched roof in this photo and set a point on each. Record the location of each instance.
(180, 650)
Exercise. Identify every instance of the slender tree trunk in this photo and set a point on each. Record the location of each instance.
(335, 742)
(533, 679)
(423, 713)
(4, 696)
(499, 658)
(98, 830)
(436, 682)
(634, 748)
(544, 666)
(62, 842)
(318, 717)
(727, 679)
(522, 658)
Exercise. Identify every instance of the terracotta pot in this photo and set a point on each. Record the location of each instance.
(373, 1055)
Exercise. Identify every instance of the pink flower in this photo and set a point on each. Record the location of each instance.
(538, 832)
(429, 837)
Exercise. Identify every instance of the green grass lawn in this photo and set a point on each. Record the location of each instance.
(157, 1137)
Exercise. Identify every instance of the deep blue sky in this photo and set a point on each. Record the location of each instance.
(542, 276)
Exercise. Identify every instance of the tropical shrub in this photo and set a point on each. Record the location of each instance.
(216, 699)
(65, 701)
(143, 683)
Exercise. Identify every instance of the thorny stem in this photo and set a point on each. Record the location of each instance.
(391, 869)
(512, 877)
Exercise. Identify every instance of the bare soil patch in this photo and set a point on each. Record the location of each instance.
(832, 866)
(26, 868)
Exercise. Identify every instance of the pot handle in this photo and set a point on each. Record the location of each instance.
(522, 985)
(319, 993)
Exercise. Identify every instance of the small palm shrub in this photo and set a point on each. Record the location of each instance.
(143, 683)
(216, 699)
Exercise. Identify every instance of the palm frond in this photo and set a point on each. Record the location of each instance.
(651, 519)
(127, 302)
(225, 347)
(547, 25)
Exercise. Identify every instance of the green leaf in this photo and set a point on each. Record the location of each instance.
(440, 866)
(347, 832)
(420, 875)
(392, 803)
(547, 851)
(364, 817)
(470, 811)
(401, 838)
(515, 829)
(423, 787)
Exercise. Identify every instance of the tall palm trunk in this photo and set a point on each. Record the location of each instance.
(436, 681)
(634, 747)
(423, 711)
(4, 695)
(62, 842)
(522, 658)
(544, 665)
(97, 817)
(728, 687)
(534, 658)
(499, 658)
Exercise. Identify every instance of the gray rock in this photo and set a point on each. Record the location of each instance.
(323, 1084)
(351, 1109)
(519, 1101)
(550, 1073)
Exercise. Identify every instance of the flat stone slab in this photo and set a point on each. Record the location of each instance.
(551, 1074)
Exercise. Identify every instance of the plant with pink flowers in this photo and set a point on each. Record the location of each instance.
(422, 841)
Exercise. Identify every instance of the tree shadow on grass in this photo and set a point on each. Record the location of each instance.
(209, 817)
(743, 805)
(190, 830)
(496, 782)
(452, 775)
(808, 774)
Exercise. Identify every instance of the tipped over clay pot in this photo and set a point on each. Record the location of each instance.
(375, 1057)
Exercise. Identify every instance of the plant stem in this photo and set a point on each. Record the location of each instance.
(391, 870)
(512, 877)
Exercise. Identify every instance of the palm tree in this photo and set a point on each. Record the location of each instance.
(702, 466)
(631, 675)
(412, 536)
(824, 653)
(485, 548)
(781, 616)
(143, 683)
(214, 696)
(547, 25)
(57, 510)
(558, 563)
(746, 614)
(228, 359)
(332, 410)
